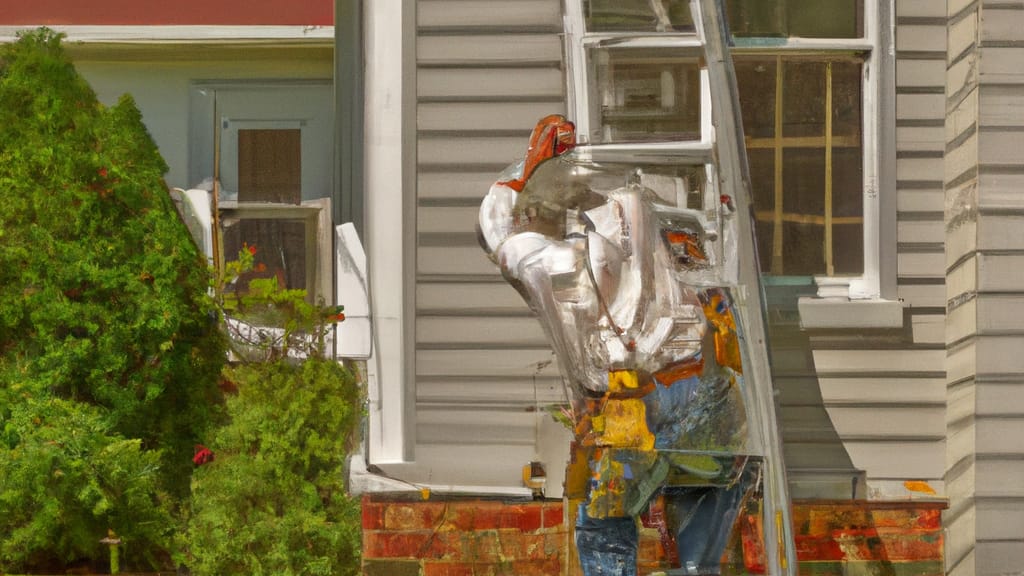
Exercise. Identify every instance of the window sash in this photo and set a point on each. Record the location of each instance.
(779, 216)
(877, 172)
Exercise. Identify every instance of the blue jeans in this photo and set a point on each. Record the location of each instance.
(607, 546)
(700, 518)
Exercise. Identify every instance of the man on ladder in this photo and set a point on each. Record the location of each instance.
(632, 258)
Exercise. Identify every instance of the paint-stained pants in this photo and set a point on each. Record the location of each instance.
(701, 519)
(606, 546)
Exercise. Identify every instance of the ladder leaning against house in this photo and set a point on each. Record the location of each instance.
(651, 83)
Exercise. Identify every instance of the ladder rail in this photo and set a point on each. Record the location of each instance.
(721, 148)
(734, 175)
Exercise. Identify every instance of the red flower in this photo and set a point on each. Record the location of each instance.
(203, 455)
(103, 172)
(252, 250)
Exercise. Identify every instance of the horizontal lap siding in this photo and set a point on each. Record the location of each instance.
(481, 88)
(998, 411)
(960, 185)
(886, 394)
(487, 70)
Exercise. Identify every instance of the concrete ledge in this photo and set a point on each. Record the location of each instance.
(839, 313)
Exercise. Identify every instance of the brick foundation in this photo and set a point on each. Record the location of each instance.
(407, 536)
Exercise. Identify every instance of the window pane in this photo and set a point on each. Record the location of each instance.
(848, 248)
(803, 181)
(755, 79)
(804, 248)
(280, 249)
(762, 178)
(764, 231)
(803, 112)
(747, 18)
(846, 98)
(795, 18)
(815, 211)
(824, 18)
(762, 18)
(637, 15)
(644, 96)
(270, 166)
(847, 182)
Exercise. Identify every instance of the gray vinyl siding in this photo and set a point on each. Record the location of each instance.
(486, 71)
(885, 390)
(960, 182)
(985, 238)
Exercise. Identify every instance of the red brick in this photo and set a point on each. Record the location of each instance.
(373, 514)
(516, 545)
(546, 567)
(457, 569)
(913, 547)
(381, 544)
(650, 548)
(491, 538)
(553, 515)
(485, 547)
(454, 545)
(414, 515)
(556, 544)
(817, 548)
(447, 545)
(489, 515)
(907, 519)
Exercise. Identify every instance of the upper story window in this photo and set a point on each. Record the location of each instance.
(796, 18)
(801, 67)
(804, 71)
(802, 120)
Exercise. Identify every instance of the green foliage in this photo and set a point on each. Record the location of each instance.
(102, 292)
(111, 351)
(296, 327)
(106, 332)
(273, 501)
(65, 479)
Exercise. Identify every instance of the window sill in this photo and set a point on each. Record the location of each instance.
(833, 313)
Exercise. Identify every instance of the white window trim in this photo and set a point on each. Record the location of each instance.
(316, 215)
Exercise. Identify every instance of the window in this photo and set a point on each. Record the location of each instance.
(808, 73)
(807, 91)
(802, 120)
(644, 96)
(269, 145)
(796, 18)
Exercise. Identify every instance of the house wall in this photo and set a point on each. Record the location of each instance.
(983, 178)
(159, 80)
(486, 71)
